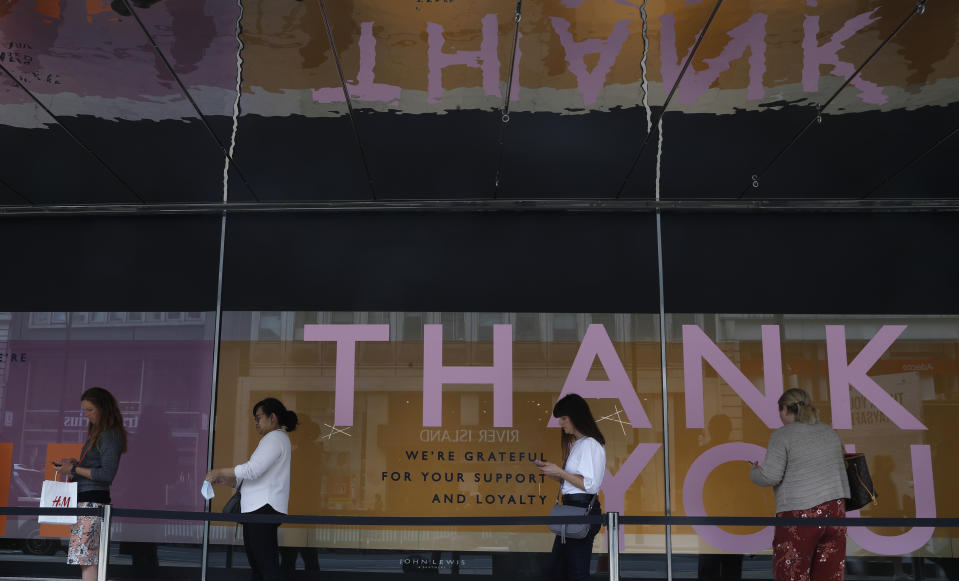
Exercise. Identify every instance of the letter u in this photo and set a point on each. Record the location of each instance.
(925, 494)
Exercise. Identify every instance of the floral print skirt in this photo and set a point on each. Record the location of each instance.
(811, 552)
(85, 538)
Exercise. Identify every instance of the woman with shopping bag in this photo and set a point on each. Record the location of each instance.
(93, 473)
(804, 465)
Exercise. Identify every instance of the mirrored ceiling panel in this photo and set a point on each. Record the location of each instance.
(579, 109)
(407, 101)
(807, 54)
(906, 94)
(93, 66)
(292, 133)
(426, 79)
(924, 173)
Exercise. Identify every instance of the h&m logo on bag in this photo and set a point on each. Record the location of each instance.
(62, 502)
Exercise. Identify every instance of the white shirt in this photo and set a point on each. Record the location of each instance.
(588, 459)
(266, 476)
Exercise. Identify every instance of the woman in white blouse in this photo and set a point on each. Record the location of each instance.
(581, 476)
(265, 481)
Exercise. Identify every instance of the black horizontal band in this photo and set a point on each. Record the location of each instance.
(34, 511)
(480, 521)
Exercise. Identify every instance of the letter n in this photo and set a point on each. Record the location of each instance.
(697, 347)
(751, 35)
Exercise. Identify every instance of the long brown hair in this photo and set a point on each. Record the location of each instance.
(110, 417)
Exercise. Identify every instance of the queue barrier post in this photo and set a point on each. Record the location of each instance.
(612, 536)
(104, 556)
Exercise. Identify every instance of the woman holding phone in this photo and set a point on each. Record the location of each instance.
(584, 466)
(804, 465)
(94, 473)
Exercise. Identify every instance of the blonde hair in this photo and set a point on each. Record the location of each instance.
(797, 402)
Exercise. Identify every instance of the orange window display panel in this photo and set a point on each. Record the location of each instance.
(56, 452)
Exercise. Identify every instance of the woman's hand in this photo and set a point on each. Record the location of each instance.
(551, 470)
(221, 476)
(64, 465)
(216, 476)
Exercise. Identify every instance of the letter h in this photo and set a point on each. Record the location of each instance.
(500, 374)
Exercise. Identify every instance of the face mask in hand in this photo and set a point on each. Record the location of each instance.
(206, 490)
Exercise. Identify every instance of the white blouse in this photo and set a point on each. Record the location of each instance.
(588, 459)
(266, 475)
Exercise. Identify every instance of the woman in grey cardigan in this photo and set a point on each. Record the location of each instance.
(804, 465)
(93, 473)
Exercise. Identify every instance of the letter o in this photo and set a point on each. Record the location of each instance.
(693, 498)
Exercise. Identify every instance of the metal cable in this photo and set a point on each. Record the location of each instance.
(16, 192)
(509, 93)
(682, 73)
(909, 163)
(189, 98)
(918, 9)
(72, 136)
(349, 102)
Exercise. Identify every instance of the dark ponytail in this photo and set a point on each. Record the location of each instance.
(271, 405)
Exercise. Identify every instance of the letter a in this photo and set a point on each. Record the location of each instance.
(591, 82)
(596, 343)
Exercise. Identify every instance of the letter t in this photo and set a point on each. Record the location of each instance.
(346, 337)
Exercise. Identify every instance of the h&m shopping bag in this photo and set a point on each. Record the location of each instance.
(56, 494)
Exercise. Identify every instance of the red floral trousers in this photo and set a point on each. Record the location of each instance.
(811, 553)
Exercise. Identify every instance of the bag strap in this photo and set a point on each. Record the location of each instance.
(589, 507)
(80, 461)
(871, 493)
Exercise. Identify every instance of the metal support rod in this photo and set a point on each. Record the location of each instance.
(662, 366)
(104, 559)
(580, 203)
(612, 534)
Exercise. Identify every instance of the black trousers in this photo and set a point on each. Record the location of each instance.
(570, 560)
(262, 548)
